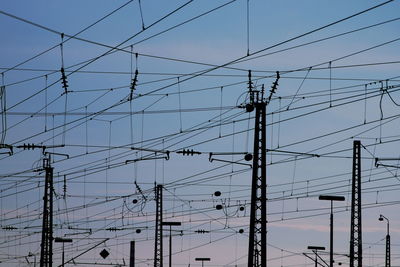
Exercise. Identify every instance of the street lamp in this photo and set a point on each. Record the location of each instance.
(62, 240)
(170, 224)
(387, 254)
(315, 250)
(331, 199)
(202, 260)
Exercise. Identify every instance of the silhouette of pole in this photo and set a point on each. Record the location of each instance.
(62, 240)
(170, 224)
(355, 228)
(331, 238)
(257, 250)
(132, 255)
(46, 246)
(158, 244)
(257, 255)
(202, 260)
(387, 253)
(331, 199)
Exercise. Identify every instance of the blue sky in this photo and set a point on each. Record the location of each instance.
(173, 108)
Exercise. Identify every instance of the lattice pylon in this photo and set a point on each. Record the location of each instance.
(257, 253)
(46, 246)
(356, 205)
(158, 244)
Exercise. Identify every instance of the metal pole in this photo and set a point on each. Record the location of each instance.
(331, 199)
(252, 252)
(331, 239)
(51, 217)
(387, 252)
(46, 246)
(63, 254)
(170, 246)
(316, 259)
(62, 240)
(356, 208)
(263, 186)
(387, 258)
(132, 255)
(202, 260)
(170, 224)
(158, 244)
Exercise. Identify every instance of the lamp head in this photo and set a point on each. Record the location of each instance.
(380, 217)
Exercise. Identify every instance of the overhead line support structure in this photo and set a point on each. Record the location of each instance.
(356, 205)
(46, 246)
(158, 244)
(257, 250)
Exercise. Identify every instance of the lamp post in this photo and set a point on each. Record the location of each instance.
(315, 250)
(387, 254)
(170, 224)
(62, 240)
(202, 260)
(331, 199)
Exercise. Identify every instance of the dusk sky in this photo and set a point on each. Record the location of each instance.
(115, 91)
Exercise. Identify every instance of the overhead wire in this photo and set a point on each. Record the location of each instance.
(216, 124)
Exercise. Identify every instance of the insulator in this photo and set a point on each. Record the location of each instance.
(9, 228)
(187, 152)
(113, 229)
(134, 81)
(64, 79)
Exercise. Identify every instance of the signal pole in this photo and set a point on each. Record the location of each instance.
(46, 246)
(257, 251)
(158, 245)
(356, 230)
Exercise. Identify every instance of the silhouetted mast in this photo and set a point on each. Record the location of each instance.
(257, 253)
(356, 230)
(46, 246)
(158, 245)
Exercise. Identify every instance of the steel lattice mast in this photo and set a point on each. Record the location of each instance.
(257, 250)
(46, 246)
(387, 252)
(158, 245)
(356, 230)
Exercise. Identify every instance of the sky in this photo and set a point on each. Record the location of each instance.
(147, 80)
